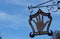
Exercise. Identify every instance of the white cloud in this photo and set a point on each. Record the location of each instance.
(11, 21)
(21, 2)
(16, 2)
(13, 1)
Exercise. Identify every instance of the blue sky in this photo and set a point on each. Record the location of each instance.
(14, 17)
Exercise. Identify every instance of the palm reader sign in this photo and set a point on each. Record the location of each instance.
(40, 25)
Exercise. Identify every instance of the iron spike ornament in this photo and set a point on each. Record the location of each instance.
(40, 25)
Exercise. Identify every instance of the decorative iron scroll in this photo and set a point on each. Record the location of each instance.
(51, 6)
